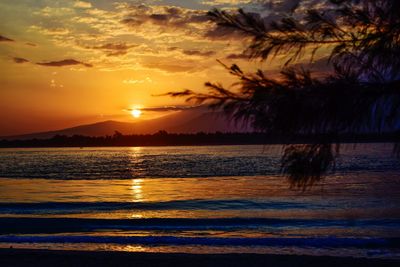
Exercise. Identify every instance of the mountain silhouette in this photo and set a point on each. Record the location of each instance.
(188, 121)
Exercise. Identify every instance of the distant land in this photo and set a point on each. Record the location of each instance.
(163, 138)
(188, 121)
(196, 126)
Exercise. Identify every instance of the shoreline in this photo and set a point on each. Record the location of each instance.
(269, 143)
(163, 139)
(32, 257)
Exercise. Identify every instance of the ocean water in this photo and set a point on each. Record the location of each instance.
(211, 199)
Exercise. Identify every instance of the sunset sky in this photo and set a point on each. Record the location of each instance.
(65, 63)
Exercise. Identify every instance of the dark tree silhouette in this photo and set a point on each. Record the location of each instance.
(361, 94)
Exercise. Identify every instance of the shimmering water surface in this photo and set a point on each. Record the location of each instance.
(213, 199)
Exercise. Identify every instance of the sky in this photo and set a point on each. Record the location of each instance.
(65, 63)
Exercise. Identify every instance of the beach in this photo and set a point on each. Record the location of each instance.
(22, 257)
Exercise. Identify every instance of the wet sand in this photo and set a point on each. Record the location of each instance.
(29, 257)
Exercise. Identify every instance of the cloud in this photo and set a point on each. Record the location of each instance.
(135, 36)
(134, 81)
(82, 4)
(173, 67)
(198, 53)
(53, 31)
(265, 13)
(20, 60)
(285, 6)
(237, 56)
(5, 39)
(113, 49)
(167, 108)
(31, 44)
(217, 32)
(65, 62)
(166, 17)
(167, 67)
(193, 52)
(56, 11)
(186, 23)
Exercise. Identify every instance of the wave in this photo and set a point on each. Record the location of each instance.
(69, 225)
(320, 242)
(87, 207)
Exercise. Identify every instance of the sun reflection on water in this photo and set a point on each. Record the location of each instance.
(137, 193)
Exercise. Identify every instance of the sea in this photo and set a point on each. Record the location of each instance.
(198, 199)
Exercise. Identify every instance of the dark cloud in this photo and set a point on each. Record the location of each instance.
(160, 17)
(284, 6)
(198, 22)
(113, 49)
(173, 18)
(198, 53)
(20, 60)
(269, 11)
(193, 52)
(173, 48)
(237, 56)
(65, 62)
(173, 10)
(223, 33)
(167, 108)
(279, 9)
(31, 44)
(168, 18)
(116, 53)
(132, 22)
(5, 39)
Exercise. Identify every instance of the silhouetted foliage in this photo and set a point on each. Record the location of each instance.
(361, 95)
(307, 163)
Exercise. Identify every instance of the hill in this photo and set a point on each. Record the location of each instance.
(190, 121)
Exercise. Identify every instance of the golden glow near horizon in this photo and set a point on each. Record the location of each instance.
(136, 113)
(65, 63)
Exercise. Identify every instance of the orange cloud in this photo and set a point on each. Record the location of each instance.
(65, 62)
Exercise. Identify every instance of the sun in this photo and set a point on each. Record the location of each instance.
(136, 113)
